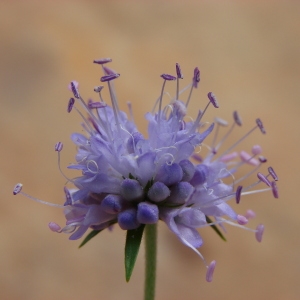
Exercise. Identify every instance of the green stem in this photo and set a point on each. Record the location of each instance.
(150, 274)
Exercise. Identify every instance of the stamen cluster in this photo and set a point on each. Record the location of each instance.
(129, 180)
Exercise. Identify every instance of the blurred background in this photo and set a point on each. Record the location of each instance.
(248, 54)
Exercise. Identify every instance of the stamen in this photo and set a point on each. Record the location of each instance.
(259, 232)
(212, 98)
(210, 271)
(58, 146)
(179, 76)
(74, 89)
(238, 194)
(18, 188)
(98, 89)
(262, 159)
(70, 105)
(247, 158)
(260, 126)
(109, 77)
(274, 189)
(272, 173)
(242, 220)
(54, 227)
(93, 105)
(263, 178)
(256, 150)
(237, 118)
(102, 61)
(250, 214)
(168, 77)
(196, 78)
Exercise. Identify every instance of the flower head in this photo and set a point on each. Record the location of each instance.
(130, 180)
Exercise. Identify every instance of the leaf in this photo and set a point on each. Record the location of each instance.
(215, 228)
(89, 236)
(132, 246)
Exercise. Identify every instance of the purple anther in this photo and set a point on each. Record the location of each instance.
(242, 220)
(54, 227)
(212, 98)
(256, 150)
(247, 158)
(250, 214)
(229, 157)
(196, 78)
(109, 77)
(259, 232)
(18, 188)
(237, 118)
(210, 271)
(238, 194)
(109, 71)
(70, 105)
(98, 89)
(92, 105)
(263, 178)
(58, 146)
(274, 189)
(260, 126)
(102, 61)
(272, 173)
(168, 77)
(262, 159)
(178, 71)
(74, 89)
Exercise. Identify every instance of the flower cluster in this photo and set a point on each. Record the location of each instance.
(129, 180)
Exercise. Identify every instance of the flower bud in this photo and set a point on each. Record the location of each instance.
(147, 213)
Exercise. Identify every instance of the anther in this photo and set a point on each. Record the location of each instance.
(262, 159)
(54, 227)
(264, 179)
(237, 118)
(98, 89)
(109, 77)
(256, 150)
(242, 220)
(102, 61)
(213, 100)
(168, 77)
(178, 71)
(250, 214)
(260, 126)
(210, 271)
(18, 188)
(272, 173)
(58, 146)
(238, 194)
(221, 122)
(74, 89)
(196, 78)
(274, 189)
(259, 232)
(70, 105)
(92, 105)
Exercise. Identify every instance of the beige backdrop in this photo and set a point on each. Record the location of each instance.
(249, 57)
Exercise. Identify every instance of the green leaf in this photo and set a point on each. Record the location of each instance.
(216, 229)
(133, 242)
(89, 236)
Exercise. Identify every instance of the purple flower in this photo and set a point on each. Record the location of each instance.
(129, 180)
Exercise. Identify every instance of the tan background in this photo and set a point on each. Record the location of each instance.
(248, 54)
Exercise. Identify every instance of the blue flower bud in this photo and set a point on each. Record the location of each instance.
(147, 213)
(180, 192)
(188, 170)
(158, 192)
(112, 204)
(169, 174)
(127, 219)
(131, 189)
(200, 175)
